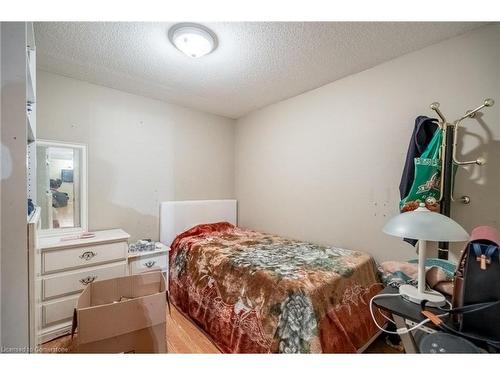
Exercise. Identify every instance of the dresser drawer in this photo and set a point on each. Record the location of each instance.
(147, 263)
(73, 282)
(57, 312)
(76, 257)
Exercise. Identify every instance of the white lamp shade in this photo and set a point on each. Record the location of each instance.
(423, 224)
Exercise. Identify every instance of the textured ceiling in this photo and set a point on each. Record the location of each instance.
(255, 64)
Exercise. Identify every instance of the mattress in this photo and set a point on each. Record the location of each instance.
(254, 292)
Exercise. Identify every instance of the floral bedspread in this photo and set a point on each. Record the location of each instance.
(253, 292)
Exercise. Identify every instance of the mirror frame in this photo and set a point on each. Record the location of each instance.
(58, 232)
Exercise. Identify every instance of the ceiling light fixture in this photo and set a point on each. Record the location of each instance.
(192, 39)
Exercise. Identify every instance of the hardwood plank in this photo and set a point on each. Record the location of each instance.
(192, 335)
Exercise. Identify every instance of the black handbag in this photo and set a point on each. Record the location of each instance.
(476, 291)
(477, 281)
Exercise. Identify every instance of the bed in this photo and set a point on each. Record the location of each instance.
(254, 292)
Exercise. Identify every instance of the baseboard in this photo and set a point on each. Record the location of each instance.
(56, 331)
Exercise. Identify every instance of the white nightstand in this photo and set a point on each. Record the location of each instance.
(145, 261)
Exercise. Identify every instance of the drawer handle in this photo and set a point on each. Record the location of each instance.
(150, 264)
(88, 255)
(88, 280)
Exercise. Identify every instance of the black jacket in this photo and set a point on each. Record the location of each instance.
(424, 130)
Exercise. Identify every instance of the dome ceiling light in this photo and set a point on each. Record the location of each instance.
(193, 39)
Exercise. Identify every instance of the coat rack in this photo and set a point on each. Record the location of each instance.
(449, 159)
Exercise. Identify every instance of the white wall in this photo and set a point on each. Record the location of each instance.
(140, 151)
(325, 165)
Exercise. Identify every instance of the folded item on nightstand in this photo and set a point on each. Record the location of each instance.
(438, 273)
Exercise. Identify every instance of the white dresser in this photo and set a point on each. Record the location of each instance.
(63, 270)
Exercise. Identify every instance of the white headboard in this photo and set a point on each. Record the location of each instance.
(177, 216)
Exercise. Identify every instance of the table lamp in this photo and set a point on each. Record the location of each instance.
(424, 225)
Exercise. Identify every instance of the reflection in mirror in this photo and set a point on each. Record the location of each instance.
(59, 185)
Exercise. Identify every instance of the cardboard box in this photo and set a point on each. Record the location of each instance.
(122, 315)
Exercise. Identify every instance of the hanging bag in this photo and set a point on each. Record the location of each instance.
(477, 280)
(427, 180)
(476, 291)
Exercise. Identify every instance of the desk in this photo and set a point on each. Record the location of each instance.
(405, 314)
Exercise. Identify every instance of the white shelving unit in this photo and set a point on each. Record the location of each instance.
(34, 218)
(18, 60)
(31, 110)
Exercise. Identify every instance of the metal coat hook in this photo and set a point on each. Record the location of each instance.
(435, 107)
(487, 103)
(469, 114)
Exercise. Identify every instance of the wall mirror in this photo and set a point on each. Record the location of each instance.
(61, 176)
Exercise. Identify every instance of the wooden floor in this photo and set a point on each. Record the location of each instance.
(184, 337)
